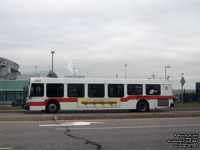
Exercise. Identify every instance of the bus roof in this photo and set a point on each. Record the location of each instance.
(99, 80)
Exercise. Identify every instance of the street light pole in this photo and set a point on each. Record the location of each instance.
(125, 69)
(52, 52)
(166, 71)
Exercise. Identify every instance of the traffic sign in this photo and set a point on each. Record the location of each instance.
(182, 81)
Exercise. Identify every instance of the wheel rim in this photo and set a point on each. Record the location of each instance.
(52, 107)
(142, 107)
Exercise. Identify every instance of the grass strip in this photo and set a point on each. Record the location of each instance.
(7, 107)
(187, 104)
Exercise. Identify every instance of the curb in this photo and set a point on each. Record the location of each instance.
(177, 109)
(168, 109)
(125, 116)
(94, 116)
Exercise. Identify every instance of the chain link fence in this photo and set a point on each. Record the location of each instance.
(189, 95)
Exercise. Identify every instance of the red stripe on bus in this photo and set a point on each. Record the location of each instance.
(58, 99)
(122, 99)
(37, 103)
(65, 99)
(145, 97)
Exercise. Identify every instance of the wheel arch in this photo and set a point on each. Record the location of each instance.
(52, 101)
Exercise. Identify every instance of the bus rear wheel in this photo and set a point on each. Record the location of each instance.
(143, 106)
(52, 107)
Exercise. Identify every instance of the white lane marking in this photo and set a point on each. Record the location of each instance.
(68, 124)
(5, 148)
(133, 127)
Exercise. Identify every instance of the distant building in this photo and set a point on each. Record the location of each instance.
(75, 76)
(12, 82)
(28, 75)
(9, 70)
(12, 90)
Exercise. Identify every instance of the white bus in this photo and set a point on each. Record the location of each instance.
(53, 94)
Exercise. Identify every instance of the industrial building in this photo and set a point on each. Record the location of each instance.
(9, 70)
(12, 82)
(10, 88)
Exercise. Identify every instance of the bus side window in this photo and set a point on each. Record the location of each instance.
(75, 90)
(115, 90)
(153, 89)
(37, 90)
(134, 89)
(96, 90)
(55, 90)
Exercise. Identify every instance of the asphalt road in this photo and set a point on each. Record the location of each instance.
(23, 115)
(127, 134)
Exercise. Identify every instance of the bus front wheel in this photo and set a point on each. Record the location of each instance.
(143, 106)
(52, 107)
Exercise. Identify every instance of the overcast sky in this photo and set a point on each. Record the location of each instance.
(101, 36)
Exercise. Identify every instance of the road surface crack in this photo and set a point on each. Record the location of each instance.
(69, 134)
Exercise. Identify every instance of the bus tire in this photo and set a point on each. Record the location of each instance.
(143, 106)
(52, 107)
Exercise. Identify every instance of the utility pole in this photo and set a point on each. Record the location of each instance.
(125, 70)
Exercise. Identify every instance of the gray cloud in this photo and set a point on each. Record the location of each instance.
(101, 36)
